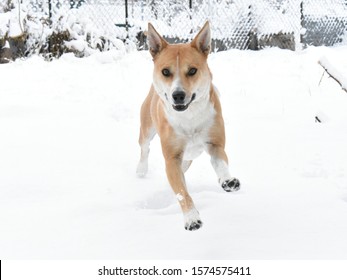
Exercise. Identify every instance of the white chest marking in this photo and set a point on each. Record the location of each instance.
(193, 127)
(195, 146)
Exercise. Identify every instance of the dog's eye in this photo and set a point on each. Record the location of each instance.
(166, 72)
(192, 71)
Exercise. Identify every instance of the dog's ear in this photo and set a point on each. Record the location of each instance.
(156, 43)
(202, 41)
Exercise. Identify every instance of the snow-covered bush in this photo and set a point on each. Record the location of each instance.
(65, 33)
(12, 37)
(6, 6)
(24, 32)
(71, 34)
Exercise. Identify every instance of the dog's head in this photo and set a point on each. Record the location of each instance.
(181, 74)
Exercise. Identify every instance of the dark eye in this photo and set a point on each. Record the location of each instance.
(166, 72)
(192, 71)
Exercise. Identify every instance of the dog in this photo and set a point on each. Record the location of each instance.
(183, 108)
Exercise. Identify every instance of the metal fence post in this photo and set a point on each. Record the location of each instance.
(252, 43)
(50, 9)
(190, 9)
(126, 19)
(50, 23)
(190, 14)
(302, 22)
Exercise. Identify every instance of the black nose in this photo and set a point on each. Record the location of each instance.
(179, 96)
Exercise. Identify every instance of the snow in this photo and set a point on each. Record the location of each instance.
(4, 23)
(11, 23)
(68, 146)
(6, 46)
(321, 8)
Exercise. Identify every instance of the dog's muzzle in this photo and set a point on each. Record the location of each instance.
(179, 97)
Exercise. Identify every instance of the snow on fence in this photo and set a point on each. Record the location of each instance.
(89, 25)
(241, 24)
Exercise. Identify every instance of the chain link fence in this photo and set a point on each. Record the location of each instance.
(241, 24)
(324, 22)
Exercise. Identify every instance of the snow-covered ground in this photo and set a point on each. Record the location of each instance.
(68, 154)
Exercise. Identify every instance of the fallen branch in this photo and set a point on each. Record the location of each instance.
(333, 73)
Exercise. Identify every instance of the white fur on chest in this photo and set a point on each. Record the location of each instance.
(195, 146)
(193, 126)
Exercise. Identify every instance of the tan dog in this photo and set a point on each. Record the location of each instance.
(184, 109)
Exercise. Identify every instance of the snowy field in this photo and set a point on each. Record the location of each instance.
(68, 155)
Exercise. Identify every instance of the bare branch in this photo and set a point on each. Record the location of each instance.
(334, 76)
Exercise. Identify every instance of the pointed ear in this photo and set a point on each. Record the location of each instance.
(202, 41)
(156, 43)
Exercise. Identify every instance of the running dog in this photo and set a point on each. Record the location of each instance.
(183, 108)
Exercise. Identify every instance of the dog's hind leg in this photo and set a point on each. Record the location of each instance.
(147, 132)
(146, 135)
(185, 165)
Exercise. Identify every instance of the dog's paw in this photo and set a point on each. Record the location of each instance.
(192, 220)
(231, 185)
(142, 169)
(193, 225)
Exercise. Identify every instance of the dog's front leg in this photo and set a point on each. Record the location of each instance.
(177, 181)
(219, 161)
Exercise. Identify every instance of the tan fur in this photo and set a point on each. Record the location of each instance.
(154, 112)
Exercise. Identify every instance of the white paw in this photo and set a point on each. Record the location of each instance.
(192, 220)
(142, 169)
